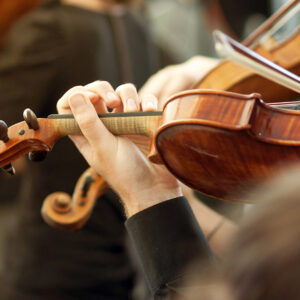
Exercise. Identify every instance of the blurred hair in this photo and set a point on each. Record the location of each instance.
(263, 262)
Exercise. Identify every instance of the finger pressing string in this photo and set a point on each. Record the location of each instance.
(149, 103)
(104, 90)
(86, 117)
(63, 106)
(129, 96)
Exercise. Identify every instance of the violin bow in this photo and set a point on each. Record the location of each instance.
(233, 50)
(264, 31)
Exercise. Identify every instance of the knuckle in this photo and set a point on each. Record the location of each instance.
(126, 87)
(75, 89)
(102, 84)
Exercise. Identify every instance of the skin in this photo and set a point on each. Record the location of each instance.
(119, 160)
(98, 5)
(176, 78)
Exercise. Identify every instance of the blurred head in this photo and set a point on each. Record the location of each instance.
(263, 263)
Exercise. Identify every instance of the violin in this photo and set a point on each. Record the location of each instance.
(181, 114)
(274, 40)
(199, 135)
(62, 211)
(264, 40)
(228, 48)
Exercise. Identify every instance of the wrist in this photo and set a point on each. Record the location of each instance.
(137, 202)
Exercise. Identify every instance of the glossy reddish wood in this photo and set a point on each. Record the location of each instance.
(23, 140)
(223, 150)
(216, 142)
(229, 76)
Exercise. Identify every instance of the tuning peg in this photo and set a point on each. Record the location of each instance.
(37, 156)
(31, 119)
(3, 132)
(9, 169)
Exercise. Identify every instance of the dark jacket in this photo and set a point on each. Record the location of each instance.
(168, 239)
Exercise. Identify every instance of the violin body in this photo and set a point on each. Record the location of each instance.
(226, 142)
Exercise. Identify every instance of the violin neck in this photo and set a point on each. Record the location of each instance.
(118, 124)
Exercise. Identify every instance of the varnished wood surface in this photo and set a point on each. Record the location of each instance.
(225, 155)
(216, 142)
(229, 76)
(208, 107)
(51, 130)
(276, 125)
(61, 211)
(30, 140)
(219, 162)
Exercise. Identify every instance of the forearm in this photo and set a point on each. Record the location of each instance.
(167, 238)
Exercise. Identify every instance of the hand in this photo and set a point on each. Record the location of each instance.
(138, 182)
(177, 78)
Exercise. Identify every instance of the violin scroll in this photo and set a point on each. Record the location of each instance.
(61, 211)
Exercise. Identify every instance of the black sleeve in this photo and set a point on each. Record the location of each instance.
(29, 62)
(167, 238)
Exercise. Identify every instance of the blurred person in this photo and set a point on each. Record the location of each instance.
(57, 45)
(236, 18)
(212, 64)
(228, 16)
(263, 261)
(165, 232)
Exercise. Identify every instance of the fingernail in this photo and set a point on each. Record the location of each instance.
(77, 100)
(150, 105)
(131, 104)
